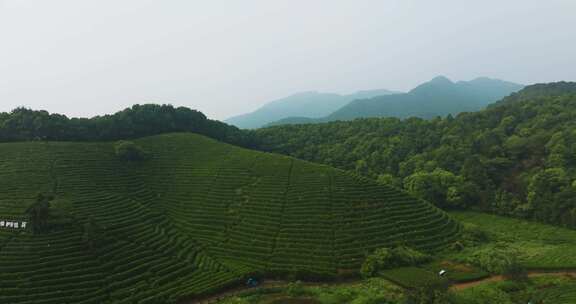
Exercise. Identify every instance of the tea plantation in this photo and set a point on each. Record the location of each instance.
(196, 217)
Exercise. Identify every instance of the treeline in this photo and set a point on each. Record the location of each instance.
(516, 158)
(140, 120)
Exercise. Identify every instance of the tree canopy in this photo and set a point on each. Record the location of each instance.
(517, 157)
(24, 124)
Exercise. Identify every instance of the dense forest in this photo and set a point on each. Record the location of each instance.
(140, 120)
(516, 158)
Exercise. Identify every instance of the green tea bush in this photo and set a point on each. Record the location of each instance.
(197, 218)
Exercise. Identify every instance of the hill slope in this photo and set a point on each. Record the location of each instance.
(307, 104)
(517, 157)
(196, 217)
(24, 124)
(438, 97)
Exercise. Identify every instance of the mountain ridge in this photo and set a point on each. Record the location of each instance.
(438, 97)
(311, 104)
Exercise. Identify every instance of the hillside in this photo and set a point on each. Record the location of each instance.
(306, 105)
(196, 217)
(516, 158)
(24, 124)
(438, 97)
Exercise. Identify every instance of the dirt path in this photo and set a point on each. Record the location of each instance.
(458, 286)
(497, 278)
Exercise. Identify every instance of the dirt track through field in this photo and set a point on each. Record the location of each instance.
(497, 278)
(458, 286)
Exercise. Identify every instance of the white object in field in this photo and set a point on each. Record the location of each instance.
(10, 224)
(442, 272)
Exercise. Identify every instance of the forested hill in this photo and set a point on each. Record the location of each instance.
(518, 157)
(140, 120)
(306, 104)
(438, 97)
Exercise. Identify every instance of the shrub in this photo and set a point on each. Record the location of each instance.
(498, 258)
(335, 297)
(127, 150)
(514, 271)
(430, 292)
(295, 289)
(385, 258)
(371, 299)
(473, 233)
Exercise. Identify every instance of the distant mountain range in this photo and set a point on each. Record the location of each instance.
(306, 104)
(438, 97)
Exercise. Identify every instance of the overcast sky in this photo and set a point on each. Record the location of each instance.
(84, 58)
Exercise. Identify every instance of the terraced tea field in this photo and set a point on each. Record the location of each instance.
(199, 216)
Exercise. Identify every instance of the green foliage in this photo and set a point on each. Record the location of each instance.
(93, 235)
(127, 150)
(371, 299)
(542, 289)
(371, 291)
(539, 246)
(295, 289)
(389, 179)
(386, 258)
(456, 272)
(39, 213)
(409, 277)
(483, 294)
(441, 187)
(236, 300)
(198, 217)
(138, 121)
(516, 158)
(473, 234)
(497, 258)
(430, 292)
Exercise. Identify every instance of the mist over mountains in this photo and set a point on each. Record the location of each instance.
(306, 104)
(437, 97)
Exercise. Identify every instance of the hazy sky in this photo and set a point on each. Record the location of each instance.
(84, 58)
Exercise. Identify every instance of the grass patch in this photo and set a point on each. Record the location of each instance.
(457, 272)
(409, 277)
(540, 246)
